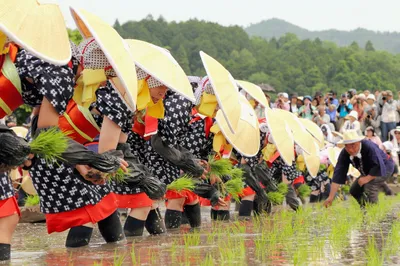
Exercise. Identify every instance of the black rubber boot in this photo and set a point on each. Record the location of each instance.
(111, 228)
(133, 227)
(214, 215)
(193, 214)
(245, 208)
(154, 223)
(291, 198)
(223, 215)
(78, 236)
(314, 198)
(173, 219)
(5, 252)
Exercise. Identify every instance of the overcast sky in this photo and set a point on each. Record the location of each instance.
(382, 15)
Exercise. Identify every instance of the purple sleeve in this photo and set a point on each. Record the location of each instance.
(341, 169)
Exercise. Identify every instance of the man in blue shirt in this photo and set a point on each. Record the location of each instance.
(373, 164)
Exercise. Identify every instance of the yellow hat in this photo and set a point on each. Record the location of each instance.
(27, 184)
(37, 26)
(246, 139)
(254, 91)
(333, 154)
(314, 130)
(225, 89)
(281, 135)
(20, 131)
(159, 63)
(300, 134)
(350, 136)
(312, 160)
(115, 49)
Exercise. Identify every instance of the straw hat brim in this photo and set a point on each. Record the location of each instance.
(38, 28)
(350, 141)
(333, 155)
(20, 131)
(27, 185)
(337, 134)
(14, 174)
(301, 136)
(225, 90)
(312, 160)
(314, 130)
(114, 48)
(246, 139)
(281, 134)
(254, 91)
(160, 64)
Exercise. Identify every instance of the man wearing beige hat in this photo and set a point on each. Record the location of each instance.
(388, 114)
(373, 164)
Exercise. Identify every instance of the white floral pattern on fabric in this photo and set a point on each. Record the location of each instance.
(56, 83)
(6, 187)
(110, 104)
(316, 183)
(196, 141)
(60, 190)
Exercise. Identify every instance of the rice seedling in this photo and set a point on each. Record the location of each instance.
(236, 173)
(32, 200)
(191, 240)
(185, 182)
(345, 189)
(234, 187)
(50, 144)
(134, 259)
(283, 188)
(221, 167)
(304, 191)
(276, 198)
(119, 259)
(119, 176)
(300, 256)
(209, 261)
(374, 257)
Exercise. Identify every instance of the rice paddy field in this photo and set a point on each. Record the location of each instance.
(341, 235)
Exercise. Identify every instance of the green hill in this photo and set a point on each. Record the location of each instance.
(276, 28)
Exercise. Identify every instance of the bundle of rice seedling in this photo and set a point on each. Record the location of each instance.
(50, 144)
(236, 173)
(120, 176)
(304, 191)
(345, 189)
(283, 188)
(31, 201)
(275, 198)
(219, 167)
(183, 183)
(234, 187)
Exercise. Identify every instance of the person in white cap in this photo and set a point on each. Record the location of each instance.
(351, 123)
(282, 101)
(373, 164)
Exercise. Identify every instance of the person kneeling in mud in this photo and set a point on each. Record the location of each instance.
(374, 165)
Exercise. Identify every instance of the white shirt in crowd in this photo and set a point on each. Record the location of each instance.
(351, 125)
(389, 112)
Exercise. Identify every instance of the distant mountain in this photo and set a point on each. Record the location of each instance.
(388, 41)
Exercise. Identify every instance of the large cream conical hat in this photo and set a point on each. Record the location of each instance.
(333, 154)
(254, 91)
(225, 89)
(300, 134)
(20, 131)
(246, 139)
(115, 49)
(15, 175)
(312, 160)
(159, 63)
(27, 184)
(37, 26)
(281, 135)
(314, 130)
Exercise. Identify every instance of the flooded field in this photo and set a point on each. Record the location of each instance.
(341, 235)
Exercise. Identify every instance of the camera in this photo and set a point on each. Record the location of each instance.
(384, 98)
(331, 99)
(342, 101)
(368, 116)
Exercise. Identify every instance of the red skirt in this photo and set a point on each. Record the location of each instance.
(299, 180)
(187, 194)
(206, 202)
(133, 201)
(59, 222)
(247, 191)
(9, 207)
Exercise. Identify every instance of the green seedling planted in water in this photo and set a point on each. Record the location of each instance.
(31, 201)
(50, 144)
(119, 259)
(183, 183)
(345, 189)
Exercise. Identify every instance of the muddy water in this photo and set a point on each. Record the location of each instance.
(234, 243)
